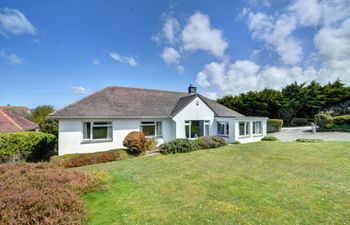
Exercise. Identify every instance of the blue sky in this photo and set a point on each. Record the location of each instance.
(55, 52)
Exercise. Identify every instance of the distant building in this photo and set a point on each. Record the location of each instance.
(22, 111)
(9, 122)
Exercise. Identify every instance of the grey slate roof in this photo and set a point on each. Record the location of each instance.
(124, 102)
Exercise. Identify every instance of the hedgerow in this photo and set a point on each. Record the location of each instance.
(29, 146)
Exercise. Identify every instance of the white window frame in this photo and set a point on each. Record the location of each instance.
(93, 125)
(254, 128)
(156, 125)
(246, 131)
(206, 128)
(226, 126)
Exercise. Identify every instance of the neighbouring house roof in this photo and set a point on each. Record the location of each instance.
(136, 102)
(17, 110)
(10, 122)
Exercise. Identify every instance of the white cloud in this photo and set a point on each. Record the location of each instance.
(95, 61)
(170, 56)
(211, 95)
(180, 69)
(277, 32)
(80, 90)
(171, 29)
(199, 35)
(14, 22)
(315, 12)
(123, 59)
(10, 58)
(244, 75)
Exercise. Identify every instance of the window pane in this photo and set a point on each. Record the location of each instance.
(241, 128)
(247, 128)
(159, 128)
(187, 131)
(86, 130)
(148, 130)
(258, 127)
(227, 128)
(206, 130)
(254, 127)
(195, 129)
(99, 133)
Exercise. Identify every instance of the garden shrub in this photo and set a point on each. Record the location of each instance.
(269, 138)
(137, 143)
(178, 146)
(300, 121)
(308, 140)
(324, 121)
(30, 146)
(274, 125)
(343, 120)
(237, 142)
(210, 142)
(42, 193)
(76, 160)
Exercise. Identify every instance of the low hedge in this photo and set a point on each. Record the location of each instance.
(326, 121)
(269, 138)
(29, 146)
(343, 120)
(310, 140)
(76, 160)
(210, 142)
(274, 125)
(301, 121)
(178, 146)
(42, 193)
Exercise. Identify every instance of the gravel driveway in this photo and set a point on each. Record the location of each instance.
(293, 133)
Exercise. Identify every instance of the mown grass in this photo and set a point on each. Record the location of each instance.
(258, 183)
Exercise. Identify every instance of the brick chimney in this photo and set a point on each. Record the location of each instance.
(192, 89)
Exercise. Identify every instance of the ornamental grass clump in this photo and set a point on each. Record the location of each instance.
(42, 193)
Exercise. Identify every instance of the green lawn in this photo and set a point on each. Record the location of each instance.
(258, 183)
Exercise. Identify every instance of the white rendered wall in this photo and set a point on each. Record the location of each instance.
(195, 110)
(70, 134)
(252, 137)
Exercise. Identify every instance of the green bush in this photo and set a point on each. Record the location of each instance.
(300, 121)
(269, 138)
(210, 142)
(324, 121)
(178, 146)
(29, 146)
(237, 142)
(137, 143)
(274, 125)
(311, 140)
(343, 120)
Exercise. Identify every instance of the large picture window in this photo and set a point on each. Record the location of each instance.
(196, 128)
(97, 130)
(257, 127)
(223, 128)
(244, 128)
(152, 128)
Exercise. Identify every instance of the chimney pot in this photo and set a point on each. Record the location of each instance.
(192, 89)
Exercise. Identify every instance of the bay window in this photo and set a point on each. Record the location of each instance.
(223, 128)
(151, 128)
(97, 130)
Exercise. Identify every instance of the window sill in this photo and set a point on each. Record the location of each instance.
(224, 136)
(95, 141)
(154, 137)
(245, 136)
(257, 135)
